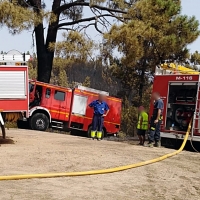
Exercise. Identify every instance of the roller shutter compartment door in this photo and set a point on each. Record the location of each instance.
(12, 85)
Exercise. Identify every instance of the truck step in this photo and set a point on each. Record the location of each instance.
(56, 122)
(60, 127)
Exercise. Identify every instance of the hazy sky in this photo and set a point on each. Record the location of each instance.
(23, 42)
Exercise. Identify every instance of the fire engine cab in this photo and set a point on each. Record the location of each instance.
(66, 108)
(179, 88)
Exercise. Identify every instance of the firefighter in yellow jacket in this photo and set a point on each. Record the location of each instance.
(142, 125)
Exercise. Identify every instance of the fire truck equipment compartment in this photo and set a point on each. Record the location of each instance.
(12, 84)
(181, 105)
(14, 91)
(79, 105)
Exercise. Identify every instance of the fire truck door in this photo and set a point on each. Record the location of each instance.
(59, 106)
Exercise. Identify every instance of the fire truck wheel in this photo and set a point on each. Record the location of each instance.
(39, 121)
(89, 133)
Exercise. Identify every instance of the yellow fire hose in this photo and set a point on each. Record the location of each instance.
(102, 171)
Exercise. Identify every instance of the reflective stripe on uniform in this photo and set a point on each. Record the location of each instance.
(99, 135)
(93, 133)
(145, 122)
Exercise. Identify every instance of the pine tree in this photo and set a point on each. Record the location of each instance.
(65, 16)
(86, 83)
(62, 78)
(195, 58)
(156, 32)
(17, 18)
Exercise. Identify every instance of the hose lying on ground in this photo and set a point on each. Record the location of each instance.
(102, 171)
(191, 143)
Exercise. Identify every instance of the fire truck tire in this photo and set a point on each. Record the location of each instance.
(89, 133)
(39, 121)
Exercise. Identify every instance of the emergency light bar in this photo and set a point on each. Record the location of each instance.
(80, 87)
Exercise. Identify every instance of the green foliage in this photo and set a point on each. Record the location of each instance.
(87, 82)
(156, 32)
(62, 78)
(74, 48)
(32, 71)
(195, 58)
(129, 118)
(16, 18)
(130, 113)
(64, 15)
(32, 68)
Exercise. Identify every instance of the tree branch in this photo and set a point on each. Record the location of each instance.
(67, 29)
(100, 14)
(96, 27)
(82, 20)
(82, 3)
(86, 26)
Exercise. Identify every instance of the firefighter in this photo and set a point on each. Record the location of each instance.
(101, 110)
(156, 119)
(142, 125)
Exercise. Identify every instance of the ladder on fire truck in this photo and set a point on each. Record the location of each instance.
(167, 69)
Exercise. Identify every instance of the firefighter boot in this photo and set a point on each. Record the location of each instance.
(157, 144)
(93, 134)
(99, 135)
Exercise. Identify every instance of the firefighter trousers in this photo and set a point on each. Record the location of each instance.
(97, 125)
(154, 132)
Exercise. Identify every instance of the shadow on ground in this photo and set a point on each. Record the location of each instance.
(6, 141)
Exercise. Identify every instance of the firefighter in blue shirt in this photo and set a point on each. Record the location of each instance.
(156, 119)
(101, 110)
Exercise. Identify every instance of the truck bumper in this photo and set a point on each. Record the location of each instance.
(178, 136)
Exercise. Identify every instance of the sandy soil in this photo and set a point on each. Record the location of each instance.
(176, 178)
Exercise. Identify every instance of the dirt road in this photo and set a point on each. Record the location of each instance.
(176, 178)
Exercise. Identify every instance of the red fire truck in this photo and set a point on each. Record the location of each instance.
(65, 108)
(180, 92)
(59, 107)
